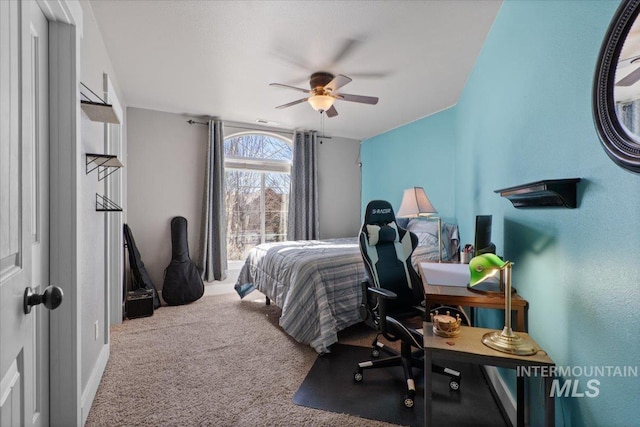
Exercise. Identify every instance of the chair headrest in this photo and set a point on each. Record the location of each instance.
(382, 234)
(379, 212)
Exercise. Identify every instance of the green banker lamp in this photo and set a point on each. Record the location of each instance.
(481, 268)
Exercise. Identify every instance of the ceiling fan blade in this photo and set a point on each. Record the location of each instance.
(299, 89)
(332, 112)
(292, 103)
(345, 50)
(630, 79)
(371, 75)
(284, 54)
(337, 82)
(372, 100)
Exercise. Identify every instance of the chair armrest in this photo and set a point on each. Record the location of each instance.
(382, 296)
(383, 293)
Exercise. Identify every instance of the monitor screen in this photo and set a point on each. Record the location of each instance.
(482, 243)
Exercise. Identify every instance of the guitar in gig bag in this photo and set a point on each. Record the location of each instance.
(182, 281)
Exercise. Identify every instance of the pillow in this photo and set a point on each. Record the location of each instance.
(381, 234)
(402, 222)
(426, 230)
(427, 233)
(426, 239)
(422, 225)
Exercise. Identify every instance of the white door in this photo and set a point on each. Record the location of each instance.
(39, 411)
(24, 214)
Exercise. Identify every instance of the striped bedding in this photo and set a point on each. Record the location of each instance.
(316, 283)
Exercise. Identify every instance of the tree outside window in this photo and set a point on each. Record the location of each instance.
(257, 178)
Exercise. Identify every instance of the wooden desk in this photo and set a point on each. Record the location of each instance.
(468, 348)
(460, 295)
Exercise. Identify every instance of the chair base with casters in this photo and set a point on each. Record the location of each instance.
(407, 358)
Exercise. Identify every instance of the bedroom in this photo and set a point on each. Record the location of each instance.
(524, 115)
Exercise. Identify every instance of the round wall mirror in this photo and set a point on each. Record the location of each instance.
(616, 99)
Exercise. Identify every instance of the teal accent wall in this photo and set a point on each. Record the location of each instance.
(525, 115)
(419, 154)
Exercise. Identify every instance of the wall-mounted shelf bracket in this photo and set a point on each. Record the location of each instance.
(96, 108)
(105, 163)
(103, 204)
(546, 193)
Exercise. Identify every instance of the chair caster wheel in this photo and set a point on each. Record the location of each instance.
(357, 376)
(375, 353)
(408, 401)
(454, 385)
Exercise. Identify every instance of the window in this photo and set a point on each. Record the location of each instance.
(257, 177)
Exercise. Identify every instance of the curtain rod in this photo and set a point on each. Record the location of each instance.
(257, 128)
(266, 129)
(246, 127)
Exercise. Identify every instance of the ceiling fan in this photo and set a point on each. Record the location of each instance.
(323, 93)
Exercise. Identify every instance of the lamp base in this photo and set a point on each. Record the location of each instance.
(507, 341)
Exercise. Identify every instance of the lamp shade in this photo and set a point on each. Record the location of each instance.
(415, 203)
(484, 266)
(321, 102)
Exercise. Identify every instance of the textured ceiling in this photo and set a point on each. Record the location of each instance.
(217, 58)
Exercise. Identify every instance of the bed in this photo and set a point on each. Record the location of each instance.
(316, 283)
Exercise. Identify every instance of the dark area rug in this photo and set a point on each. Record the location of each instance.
(329, 386)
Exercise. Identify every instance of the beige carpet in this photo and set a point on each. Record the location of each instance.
(220, 361)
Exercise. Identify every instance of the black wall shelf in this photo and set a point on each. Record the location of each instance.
(103, 204)
(546, 193)
(95, 108)
(105, 163)
(99, 112)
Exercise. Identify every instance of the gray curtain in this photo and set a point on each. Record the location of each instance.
(303, 221)
(213, 251)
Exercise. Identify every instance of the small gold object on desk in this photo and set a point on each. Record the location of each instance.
(445, 325)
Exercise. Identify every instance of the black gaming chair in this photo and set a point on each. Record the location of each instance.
(393, 292)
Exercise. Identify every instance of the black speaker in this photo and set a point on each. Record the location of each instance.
(139, 303)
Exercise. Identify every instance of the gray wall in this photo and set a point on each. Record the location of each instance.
(339, 187)
(165, 166)
(165, 162)
(91, 224)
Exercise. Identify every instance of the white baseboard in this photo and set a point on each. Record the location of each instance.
(502, 392)
(89, 393)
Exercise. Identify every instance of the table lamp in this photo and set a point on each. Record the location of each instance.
(481, 268)
(415, 203)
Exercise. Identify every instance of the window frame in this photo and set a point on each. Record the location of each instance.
(260, 165)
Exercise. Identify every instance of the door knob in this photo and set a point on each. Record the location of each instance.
(51, 298)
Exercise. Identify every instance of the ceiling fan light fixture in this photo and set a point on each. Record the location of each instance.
(321, 102)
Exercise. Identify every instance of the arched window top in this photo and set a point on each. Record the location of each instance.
(257, 184)
(254, 145)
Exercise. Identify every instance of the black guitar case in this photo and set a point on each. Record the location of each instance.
(182, 281)
(139, 275)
